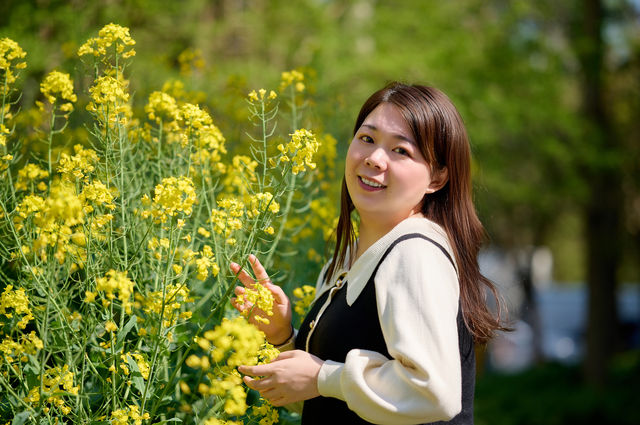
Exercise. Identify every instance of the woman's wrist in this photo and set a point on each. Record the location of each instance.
(280, 341)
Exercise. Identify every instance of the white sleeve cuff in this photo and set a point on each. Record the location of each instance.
(329, 379)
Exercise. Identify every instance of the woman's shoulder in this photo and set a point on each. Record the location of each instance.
(418, 264)
(416, 243)
(418, 233)
(421, 225)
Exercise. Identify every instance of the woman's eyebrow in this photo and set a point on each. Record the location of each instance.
(395, 135)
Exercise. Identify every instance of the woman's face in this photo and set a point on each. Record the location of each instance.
(386, 175)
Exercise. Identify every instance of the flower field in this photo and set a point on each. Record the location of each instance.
(116, 236)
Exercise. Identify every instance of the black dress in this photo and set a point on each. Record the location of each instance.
(343, 328)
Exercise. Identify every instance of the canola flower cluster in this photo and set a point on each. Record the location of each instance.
(233, 343)
(109, 100)
(167, 304)
(261, 297)
(56, 381)
(113, 249)
(172, 197)
(57, 219)
(190, 59)
(77, 166)
(130, 415)
(11, 55)
(294, 79)
(31, 176)
(189, 126)
(16, 302)
(58, 87)
(11, 62)
(299, 150)
(305, 294)
(108, 286)
(111, 37)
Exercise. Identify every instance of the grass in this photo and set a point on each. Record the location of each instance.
(554, 394)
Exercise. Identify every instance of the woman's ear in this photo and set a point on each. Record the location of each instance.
(439, 178)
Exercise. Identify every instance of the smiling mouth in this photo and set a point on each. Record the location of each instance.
(371, 183)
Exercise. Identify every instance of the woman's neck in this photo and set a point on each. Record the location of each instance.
(368, 234)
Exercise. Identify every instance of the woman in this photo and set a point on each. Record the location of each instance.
(390, 336)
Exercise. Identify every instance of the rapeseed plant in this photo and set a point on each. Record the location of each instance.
(113, 254)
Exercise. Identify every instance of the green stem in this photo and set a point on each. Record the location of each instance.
(113, 355)
(287, 208)
(50, 142)
(45, 345)
(16, 397)
(156, 348)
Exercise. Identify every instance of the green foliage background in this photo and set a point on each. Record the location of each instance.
(509, 66)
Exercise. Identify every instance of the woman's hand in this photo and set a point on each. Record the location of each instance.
(291, 377)
(279, 328)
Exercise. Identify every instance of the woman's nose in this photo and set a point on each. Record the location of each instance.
(376, 159)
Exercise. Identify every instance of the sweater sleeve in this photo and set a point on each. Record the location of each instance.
(417, 293)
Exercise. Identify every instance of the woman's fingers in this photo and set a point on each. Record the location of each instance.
(261, 385)
(260, 370)
(242, 275)
(258, 270)
(278, 294)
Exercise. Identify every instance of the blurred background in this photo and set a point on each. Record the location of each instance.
(550, 94)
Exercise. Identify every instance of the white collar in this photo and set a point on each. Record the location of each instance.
(360, 272)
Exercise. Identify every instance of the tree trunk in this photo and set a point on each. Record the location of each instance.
(603, 210)
(530, 313)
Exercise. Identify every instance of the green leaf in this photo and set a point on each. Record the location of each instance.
(21, 418)
(122, 333)
(136, 376)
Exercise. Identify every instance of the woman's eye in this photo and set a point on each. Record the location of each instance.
(366, 139)
(401, 151)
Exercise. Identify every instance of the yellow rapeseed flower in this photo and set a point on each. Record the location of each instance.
(261, 297)
(128, 416)
(77, 166)
(192, 116)
(110, 326)
(4, 133)
(98, 193)
(58, 86)
(110, 35)
(205, 263)
(172, 196)
(116, 282)
(261, 203)
(109, 99)
(294, 78)
(58, 383)
(259, 96)
(216, 421)
(16, 302)
(300, 150)
(10, 59)
(30, 174)
(189, 60)
(168, 304)
(162, 107)
(232, 343)
(268, 414)
(305, 295)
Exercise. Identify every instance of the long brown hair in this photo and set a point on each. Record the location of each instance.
(440, 133)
